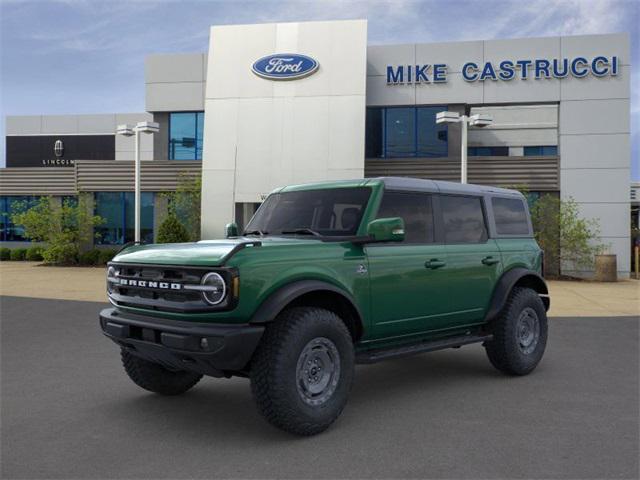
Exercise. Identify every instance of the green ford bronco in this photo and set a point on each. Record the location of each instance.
(327, 275)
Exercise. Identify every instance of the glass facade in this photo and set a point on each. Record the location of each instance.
(541, 151)
(117, 209)
(9, 232)
(488, 151)
(401, 132)
(185, 135)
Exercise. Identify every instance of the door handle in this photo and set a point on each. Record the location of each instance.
(434, 263)
(490, 260)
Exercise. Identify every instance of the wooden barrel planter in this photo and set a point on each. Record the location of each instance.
(606, 268)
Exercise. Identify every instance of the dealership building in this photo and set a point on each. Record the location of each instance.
(275, 104)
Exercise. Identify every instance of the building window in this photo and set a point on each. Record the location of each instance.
(185, 135)
(401, 132)
(541, 151)
(488, 151)
(117, 209)
(9, 232)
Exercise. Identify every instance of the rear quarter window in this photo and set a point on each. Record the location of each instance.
(510, 216)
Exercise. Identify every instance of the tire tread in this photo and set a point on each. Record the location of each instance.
(267, 377)
(502, 351)
(155, 378)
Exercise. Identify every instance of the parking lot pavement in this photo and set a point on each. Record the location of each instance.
(69, 411)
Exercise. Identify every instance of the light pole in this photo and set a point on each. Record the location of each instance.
(477, 120)
(128, 131)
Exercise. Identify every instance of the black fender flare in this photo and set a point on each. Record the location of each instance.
(278, 300)
(508, 280)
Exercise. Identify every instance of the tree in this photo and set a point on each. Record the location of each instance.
(172, 231)
(184, 203)
(567, 239)
(64, 228)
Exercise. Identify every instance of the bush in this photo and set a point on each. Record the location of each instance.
(66, 254)
(90, 257)
(5, 254)
(18, 254)
(106, 256)
(172, 231)
(34, 254)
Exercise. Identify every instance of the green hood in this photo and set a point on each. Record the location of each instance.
(204, 253)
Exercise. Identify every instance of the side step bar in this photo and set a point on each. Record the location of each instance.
(373, 356)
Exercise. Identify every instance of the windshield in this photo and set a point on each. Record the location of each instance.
(326, 212)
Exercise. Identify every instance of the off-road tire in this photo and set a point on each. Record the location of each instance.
(156, 378)
(506, 351)
(275, 383)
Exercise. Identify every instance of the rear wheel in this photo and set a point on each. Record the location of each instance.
(302, 371)
(519, 333)
(155, 378)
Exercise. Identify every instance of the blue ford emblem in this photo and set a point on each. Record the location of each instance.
(285, 66)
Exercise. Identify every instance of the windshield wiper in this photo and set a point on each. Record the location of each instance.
(254, 232)
(302, 231)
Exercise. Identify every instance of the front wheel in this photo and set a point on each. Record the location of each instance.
(302, 371)
(519, 333)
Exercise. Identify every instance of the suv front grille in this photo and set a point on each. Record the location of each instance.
(162, 288)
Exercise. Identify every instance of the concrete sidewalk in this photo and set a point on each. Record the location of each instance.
(32, 279)
(568, 298)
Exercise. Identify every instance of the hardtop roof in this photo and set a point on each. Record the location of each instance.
(406, 183)
(441, 186)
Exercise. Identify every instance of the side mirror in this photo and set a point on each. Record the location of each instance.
(386, 230)
(230, 230)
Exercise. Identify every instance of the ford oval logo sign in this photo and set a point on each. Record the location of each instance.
(285, 66)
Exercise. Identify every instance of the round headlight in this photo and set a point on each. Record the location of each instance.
(215, 290)
(111, 273)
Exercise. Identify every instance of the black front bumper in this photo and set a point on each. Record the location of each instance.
(210, 349)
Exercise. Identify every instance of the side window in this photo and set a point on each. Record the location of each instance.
(510, 215)
(416, 211)
(463, 219)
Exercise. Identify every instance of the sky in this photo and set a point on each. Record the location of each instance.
(87, 56)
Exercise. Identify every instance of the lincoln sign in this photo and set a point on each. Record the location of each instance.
(506, 70)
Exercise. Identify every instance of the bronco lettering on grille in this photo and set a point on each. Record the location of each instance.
(149, 284)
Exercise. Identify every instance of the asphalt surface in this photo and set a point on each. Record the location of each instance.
(69, 411)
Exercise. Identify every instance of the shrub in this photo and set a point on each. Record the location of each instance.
(172, 231)
(90, 257)
(34, 254)
(64, 227)
(5, 254)
(18, 254)
(106, 256)
(66, 254)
